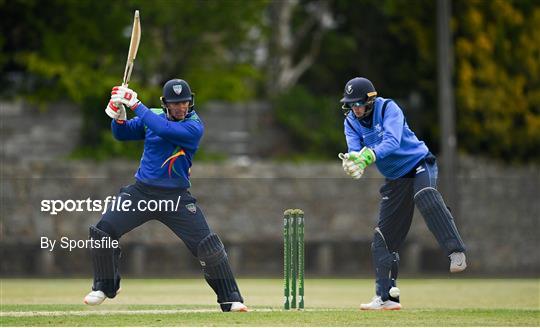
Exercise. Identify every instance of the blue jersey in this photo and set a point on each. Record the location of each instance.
(396, 147)
(169, 146)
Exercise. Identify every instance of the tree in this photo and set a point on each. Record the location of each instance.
(390, 42)
(76, 50)
(498, 78)
(295, 40)
(497, 68)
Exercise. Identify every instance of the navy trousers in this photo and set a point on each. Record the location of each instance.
(185, 219)
(397, 201)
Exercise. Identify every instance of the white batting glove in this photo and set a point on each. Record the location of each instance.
(116, 111)
(352, 169)
(126, 96)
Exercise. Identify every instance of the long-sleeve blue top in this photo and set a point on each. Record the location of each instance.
(396, 147)
(169, 146)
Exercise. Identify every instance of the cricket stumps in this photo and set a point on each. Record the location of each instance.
(293, 255)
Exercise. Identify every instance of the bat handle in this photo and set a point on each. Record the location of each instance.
(124, 84)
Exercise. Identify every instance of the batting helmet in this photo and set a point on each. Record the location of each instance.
(359, 92)
(177, 90)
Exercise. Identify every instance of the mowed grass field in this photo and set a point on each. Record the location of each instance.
(329, 302)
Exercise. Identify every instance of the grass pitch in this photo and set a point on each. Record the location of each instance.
(329, 302)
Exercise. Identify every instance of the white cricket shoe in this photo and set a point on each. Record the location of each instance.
(457, 262)
(233, 307)
(378, 304)
(95, 297)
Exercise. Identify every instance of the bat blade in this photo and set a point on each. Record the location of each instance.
(133, 47)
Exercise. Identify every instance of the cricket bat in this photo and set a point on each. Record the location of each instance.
(133, 47)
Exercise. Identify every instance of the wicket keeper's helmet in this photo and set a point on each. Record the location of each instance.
(359, 92)
(177, 90)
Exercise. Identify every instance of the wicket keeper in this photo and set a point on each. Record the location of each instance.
(377, 133)
(171, 137)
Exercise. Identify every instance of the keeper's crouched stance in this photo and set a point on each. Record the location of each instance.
(171, 138)
(376, 132)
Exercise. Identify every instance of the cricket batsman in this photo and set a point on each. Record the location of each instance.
(377, 133)
(171, 137)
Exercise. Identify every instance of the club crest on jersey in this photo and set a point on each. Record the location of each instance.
(191, 207)
(379, 130)
(349, 89)
(177, 89)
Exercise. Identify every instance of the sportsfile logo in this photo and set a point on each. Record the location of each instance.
(111, 204)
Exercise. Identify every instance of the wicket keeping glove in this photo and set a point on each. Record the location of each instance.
(355, 162)
(350, 167)
(115, 111)
(364, 157)
(126, 96)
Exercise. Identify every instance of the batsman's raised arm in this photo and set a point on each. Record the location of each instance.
(184, 129)
(128, 130)
(187, 134)
(123, 129)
